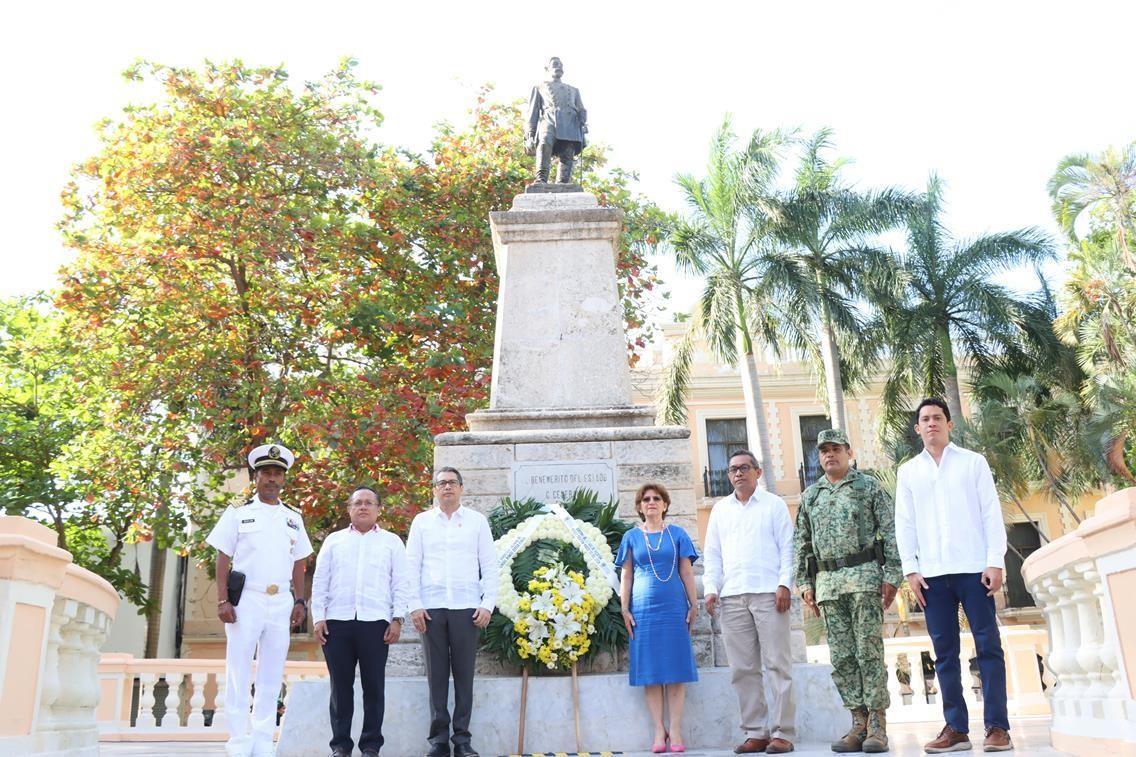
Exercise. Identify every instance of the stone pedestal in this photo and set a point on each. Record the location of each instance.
(612, 714)
(561, 389)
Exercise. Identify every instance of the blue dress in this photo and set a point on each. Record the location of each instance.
(661, 651)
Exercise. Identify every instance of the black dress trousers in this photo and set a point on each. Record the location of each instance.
(450, 646)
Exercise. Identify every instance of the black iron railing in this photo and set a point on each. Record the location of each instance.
(716, 483)
(807, 475)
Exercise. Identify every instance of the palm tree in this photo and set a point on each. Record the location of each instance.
(950, 303)
(1102, 185)
(826, 259)
(1099, 322)
(723, 241)
(1033, 436)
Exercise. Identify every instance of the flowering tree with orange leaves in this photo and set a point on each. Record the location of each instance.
(252, 266)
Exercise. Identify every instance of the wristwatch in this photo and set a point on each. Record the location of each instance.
(301, 601)
(399, 619)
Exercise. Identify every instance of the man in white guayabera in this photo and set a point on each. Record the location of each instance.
(952, 545)
(749, 566)
(453, 589)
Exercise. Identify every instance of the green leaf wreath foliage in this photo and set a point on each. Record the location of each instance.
(499, 637)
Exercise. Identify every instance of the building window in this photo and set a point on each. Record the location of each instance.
(724, 436)
(1026, 539)
(811, 426)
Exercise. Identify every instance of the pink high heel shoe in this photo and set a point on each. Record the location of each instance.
(660, 748)
(675, 747)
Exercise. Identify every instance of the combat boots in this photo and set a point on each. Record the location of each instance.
(877, 740)
(854, 739)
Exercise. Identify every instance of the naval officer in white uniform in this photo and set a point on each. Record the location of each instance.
(266, 541)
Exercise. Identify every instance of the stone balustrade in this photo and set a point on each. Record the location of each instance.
(1081, 582)
(54, 617)
(173, 699)
(914, 694)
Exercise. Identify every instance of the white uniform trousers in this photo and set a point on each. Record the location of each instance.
(263, 627)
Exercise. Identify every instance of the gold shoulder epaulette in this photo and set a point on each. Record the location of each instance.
(293, 509)
(242, 504)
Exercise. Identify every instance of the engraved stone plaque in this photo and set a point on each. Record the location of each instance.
(555, 481)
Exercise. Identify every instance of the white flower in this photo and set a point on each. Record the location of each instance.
(544, 603)
(571, 591)
(565, 627)
(538, 631)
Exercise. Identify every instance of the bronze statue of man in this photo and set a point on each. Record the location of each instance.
(556, 124)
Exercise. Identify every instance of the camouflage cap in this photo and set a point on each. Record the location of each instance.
(832, 436)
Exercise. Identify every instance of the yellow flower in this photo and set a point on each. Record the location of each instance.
(525, 603)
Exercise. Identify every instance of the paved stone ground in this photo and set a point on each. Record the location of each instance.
(1031, 737)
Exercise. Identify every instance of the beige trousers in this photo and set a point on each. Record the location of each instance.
(756, 634)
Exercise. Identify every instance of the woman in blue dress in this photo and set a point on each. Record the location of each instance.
(659, 603)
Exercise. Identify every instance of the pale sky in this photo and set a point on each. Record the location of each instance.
(988, 94)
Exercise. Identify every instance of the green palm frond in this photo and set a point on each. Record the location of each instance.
(671, 398)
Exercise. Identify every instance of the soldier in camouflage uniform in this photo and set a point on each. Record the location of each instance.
(847, 563)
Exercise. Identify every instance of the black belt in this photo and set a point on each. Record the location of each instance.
(866, 555)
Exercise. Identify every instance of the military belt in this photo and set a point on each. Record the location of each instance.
(866, 555)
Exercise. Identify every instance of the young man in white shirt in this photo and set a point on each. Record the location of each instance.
(749, 565)
(453, 577)
(360, 591)
(952, 545)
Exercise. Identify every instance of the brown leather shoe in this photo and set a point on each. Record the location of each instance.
(779, 746)
(750, 746)
(948, 740)
(997, 740)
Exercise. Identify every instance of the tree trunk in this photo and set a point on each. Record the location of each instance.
(950, 375)
(757, 428)
(830, 353)
(154, 607)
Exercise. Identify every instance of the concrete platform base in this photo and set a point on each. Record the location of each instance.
(1031, 739)
(613, 715)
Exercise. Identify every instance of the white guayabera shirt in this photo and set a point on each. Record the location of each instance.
(453, 563)
(947, 515)
(360, 576)
(749, 546)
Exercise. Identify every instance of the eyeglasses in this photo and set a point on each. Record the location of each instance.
(447, 483)
(653, 499)
(734, 469)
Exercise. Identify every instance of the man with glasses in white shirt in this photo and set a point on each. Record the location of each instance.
(952, 545)
(749, 566)
(360, 591)
(453, 577)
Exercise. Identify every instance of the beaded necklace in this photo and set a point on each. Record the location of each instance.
(674, 553)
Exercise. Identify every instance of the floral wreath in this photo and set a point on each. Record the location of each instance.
(550, 526)
(556, 599)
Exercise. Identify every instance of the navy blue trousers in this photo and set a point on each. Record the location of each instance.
(352, 643)
(943, 597)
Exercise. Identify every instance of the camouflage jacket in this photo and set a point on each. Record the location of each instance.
(828, 527)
